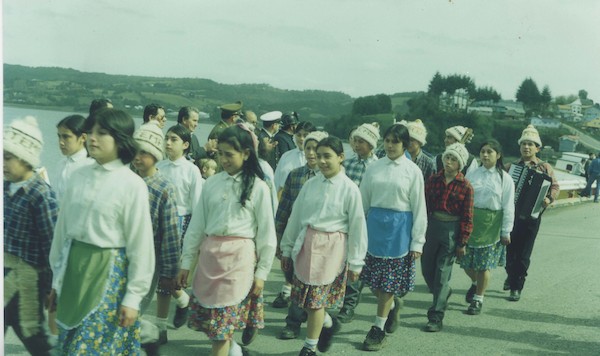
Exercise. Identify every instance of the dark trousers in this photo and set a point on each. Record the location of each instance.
(296, 316)
(353, 292)
(439, 254)
(36, 344)
(518, 252)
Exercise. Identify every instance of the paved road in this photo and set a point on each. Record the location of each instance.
(584, 139)
(559, 313)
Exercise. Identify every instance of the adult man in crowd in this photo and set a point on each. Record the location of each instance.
(285, 136)
(155, 112)
(267, 146)
(188, 118)
(229, 113)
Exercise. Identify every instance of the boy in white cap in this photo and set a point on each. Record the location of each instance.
(450, 210)
(458, 134)
(364, 141)
(30, 213)
(167, 244)
(525, 230)
(418, 136)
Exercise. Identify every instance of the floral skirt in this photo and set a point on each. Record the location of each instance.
(484, 258)
(220, 323)
(317, 297)
(391, 275)
(99, 332)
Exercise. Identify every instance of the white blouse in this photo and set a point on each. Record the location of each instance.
(289, 161)
(220, 213)
(328, 205)
(187, 180)
(65, 167)
(397, 185)
(107, 206)
(495, 193)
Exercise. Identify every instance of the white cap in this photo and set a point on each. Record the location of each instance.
(24, 140)
(459, 151)
(271, 116)
(150, 139)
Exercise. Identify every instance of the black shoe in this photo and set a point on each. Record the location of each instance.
(346, 315)
(152, 348)
(288, 333)
(307, 352)
(470, 293)
(162, 337)
(374, 340)
(326, 336)
(181, 315)
(249, 335)
(434, 326)
(506, 285)
(475, 308)
(515, 296)
(281, 301)
(393, 319)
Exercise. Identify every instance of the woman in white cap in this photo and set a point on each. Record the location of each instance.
(450, 211)
(393, 198)
(493, 218)
(418, 136)
(525, 230)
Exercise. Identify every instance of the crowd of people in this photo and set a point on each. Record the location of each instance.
(134, 216)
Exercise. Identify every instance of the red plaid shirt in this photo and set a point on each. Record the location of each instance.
(456, 199)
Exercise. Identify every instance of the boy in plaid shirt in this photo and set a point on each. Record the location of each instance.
(30, 212)
(449, 199)
(167, 244)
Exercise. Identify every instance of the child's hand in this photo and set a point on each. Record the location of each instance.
(286, 264)
(182, 277)
(505, 240)
(415, 255)
(353, 276)
(127, 316)
(257, 287)
(51, 301)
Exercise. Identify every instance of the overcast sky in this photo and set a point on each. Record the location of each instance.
(360, 47)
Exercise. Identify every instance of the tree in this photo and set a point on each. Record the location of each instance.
(529, 94)
(371, 105)
(583, 94)
(436, 85)
(546, 99)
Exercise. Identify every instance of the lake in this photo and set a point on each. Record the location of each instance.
(47, 120)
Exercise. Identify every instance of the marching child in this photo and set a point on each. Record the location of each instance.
(450, 210)
(394, 202)
(187, 180)
(324, 243)
(102, 256)
(167, 243)
(525, 230)
(294, 182)
(233, 234)
(71, 141)
(208, 167)
(493, 218)
(30, 212)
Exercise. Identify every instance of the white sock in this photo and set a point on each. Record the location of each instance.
(235, 349)
(311, 343)
(393, 305)
(183, 300)
(161, 323)
(478, 298)
(380, 322)
(328, 322)
(286, 290)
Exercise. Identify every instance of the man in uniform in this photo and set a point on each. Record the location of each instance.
(285, 136)
(229, 114)
(267, 146)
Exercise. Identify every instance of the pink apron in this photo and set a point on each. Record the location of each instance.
(322, 257)
(225, 271)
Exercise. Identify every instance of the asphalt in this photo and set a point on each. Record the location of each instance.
(558, 314)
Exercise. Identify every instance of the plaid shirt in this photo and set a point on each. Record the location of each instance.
(355, 167)
(163, 212)
(29, 219)
(426, 164)
(456, 199)
(291, 189)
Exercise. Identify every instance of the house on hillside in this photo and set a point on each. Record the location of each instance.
(459, 100)
(568, 143)
(480, 110)
(591, 113)
(593, 125)
(508, 109)
(540, 122)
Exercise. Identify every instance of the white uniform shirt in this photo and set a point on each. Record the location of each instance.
(220, 213)
(187, 180)
(397, 185)
(108, 206)
(270, 180)
(289, 161)
(65, 168)
(495, 193)
(328, 205)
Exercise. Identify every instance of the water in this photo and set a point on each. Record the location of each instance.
(47, 120)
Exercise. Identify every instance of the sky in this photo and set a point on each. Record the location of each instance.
(361, 47)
